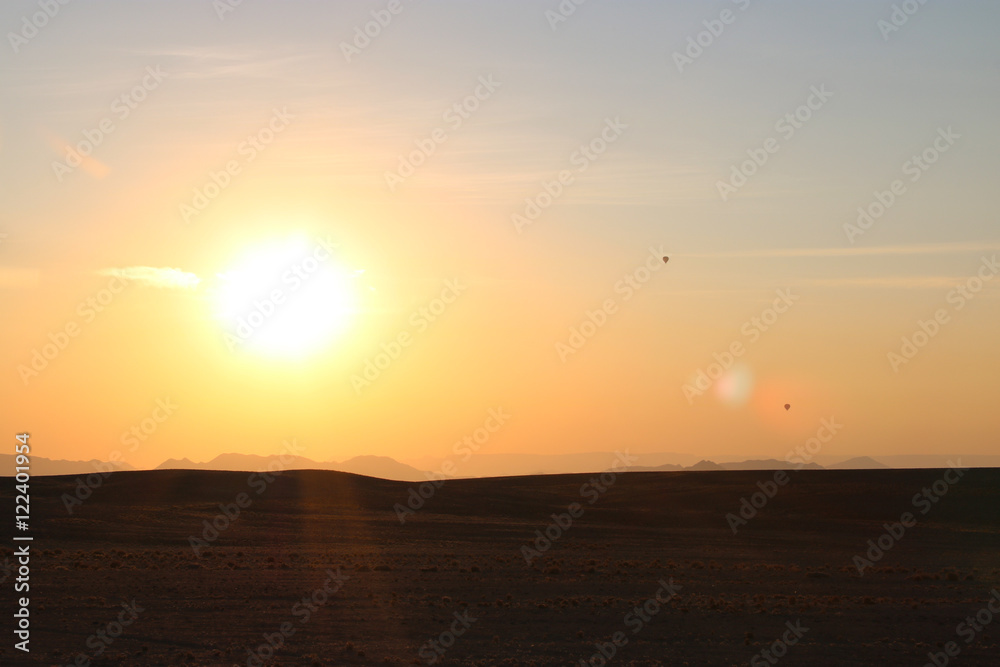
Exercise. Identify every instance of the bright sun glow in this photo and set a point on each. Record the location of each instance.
(290, 299)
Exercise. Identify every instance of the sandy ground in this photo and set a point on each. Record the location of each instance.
(319, 564)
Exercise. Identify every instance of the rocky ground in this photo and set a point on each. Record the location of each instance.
(634, 569)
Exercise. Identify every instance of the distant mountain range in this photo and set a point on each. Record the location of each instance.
(371, 466)
(492, 465)
(44, 466)
(859, 463)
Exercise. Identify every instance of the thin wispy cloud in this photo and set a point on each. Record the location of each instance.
(152, 276)
(193, 62)
(916, 249)
(892, 282)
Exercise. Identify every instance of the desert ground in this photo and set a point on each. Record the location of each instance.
(647, 567)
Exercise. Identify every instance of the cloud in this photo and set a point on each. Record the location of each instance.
(198, 62)
(916, 249)
(893, 282)
(63, 150)
(152, 276)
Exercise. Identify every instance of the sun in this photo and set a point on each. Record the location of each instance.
(289, 299)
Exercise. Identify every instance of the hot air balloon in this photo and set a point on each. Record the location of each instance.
(666, 259)
(788, 405)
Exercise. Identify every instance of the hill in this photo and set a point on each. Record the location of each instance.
(549, 567)
(859, 463)
(43, 466)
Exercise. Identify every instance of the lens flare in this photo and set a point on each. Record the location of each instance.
(735, 387)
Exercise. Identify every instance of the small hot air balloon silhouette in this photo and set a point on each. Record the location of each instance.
(788, 405)
(666, 259)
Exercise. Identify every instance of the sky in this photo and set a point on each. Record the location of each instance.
(226, 226)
